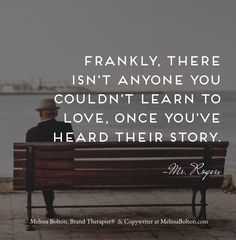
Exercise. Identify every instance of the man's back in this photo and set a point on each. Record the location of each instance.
(44, 131)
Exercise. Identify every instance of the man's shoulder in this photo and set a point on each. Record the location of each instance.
(63, 124)
(49, 124)
(62, 127)
(33, 129)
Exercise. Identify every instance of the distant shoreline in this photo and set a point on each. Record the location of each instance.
(111, 92)
(53, 93)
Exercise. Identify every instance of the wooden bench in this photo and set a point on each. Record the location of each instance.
(68, 166)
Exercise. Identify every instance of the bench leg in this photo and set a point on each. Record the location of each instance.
(202, 213)
(29, 226)
(203, 205)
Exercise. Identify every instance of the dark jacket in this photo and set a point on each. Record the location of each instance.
(44, 131)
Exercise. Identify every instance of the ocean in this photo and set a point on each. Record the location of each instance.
(18, 115)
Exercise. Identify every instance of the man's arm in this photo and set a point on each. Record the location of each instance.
(28, 137)
(31, 136)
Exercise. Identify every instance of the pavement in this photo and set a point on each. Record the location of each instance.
(119, 223)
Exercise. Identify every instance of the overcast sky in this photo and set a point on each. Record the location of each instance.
(49, 38)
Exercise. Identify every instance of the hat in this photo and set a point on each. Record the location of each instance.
(47, 104)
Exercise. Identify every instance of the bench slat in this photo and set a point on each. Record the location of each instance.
(71, 183)
(106, 173)
(19, 182)
(125, 164)
(111, 163)
(125, 153)
(20, 155)
(119, 144)
(19, 163)
(178, 181)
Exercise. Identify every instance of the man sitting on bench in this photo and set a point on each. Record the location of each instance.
(44, 132)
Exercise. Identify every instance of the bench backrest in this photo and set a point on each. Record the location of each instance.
(116, 165)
